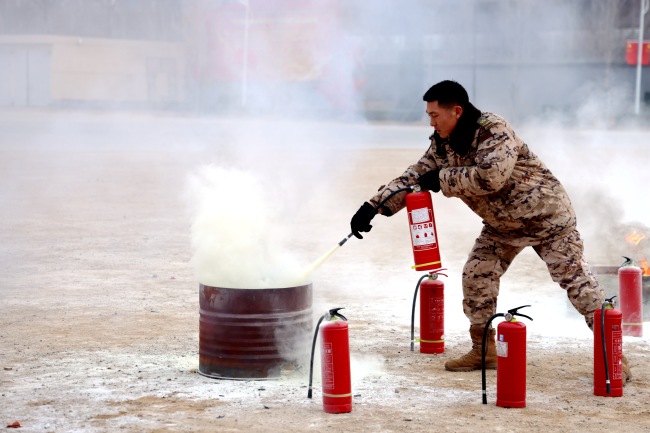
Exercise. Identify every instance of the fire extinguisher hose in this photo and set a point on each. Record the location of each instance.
(415, 187)
(608, 302)
(483, 352)
(311, 359)
(415, 296)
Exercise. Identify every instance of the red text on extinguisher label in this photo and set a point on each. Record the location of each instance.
(617, 348)
(423, 236)
(436, 315)
(328, 366)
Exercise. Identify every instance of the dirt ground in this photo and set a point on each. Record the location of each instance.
(99, 304)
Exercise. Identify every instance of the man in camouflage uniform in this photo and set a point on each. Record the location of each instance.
(478, 158)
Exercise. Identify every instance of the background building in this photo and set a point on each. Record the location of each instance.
(337, 58)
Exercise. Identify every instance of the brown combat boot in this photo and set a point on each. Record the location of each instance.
(627, 373)
(472, 359)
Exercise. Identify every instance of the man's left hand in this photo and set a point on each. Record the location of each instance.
(430, 180)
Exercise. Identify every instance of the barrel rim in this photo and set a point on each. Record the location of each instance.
(202, 286)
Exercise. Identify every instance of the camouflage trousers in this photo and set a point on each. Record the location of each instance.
(563, 255)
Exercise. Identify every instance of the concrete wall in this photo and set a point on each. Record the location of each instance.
(56, 70)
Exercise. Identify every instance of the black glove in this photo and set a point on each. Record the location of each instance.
(430, 180)
(361, 220)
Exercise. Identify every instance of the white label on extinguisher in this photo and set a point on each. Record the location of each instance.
(327, 370)
(420, 215)
(502, 348)
(422, 234)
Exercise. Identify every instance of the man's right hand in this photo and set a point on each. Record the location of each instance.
(430, 180)
(361, 220)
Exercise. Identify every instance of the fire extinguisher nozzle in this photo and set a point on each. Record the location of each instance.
(345, 239)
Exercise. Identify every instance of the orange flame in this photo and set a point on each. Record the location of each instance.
(635, 238)
(645, 268)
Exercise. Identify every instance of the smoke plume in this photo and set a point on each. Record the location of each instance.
(237, 240)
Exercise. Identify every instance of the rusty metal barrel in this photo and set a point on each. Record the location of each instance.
(252, 334)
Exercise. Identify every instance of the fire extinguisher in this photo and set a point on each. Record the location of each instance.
(630, 294)
(432, 313)
(511, 359)
(608, 351)
(424, 237)
(335, 362)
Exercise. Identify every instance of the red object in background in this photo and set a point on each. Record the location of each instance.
(614, 347)
(432, 315)
(632, 53)
(511, 364)
(277, 38)
(424, 237)
(630, 296)
(335, 367)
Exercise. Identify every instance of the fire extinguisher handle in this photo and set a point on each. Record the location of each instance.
(334, 312)
(515, 312)
(609, 302)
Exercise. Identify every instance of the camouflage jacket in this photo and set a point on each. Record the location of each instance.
(520, 201)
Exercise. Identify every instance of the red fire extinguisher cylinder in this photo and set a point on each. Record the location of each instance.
(630, 294)
(511, 359)
(424, 237)
(335, 367)
(432, 315)
(511, 364)
(335, 362)
(611, 372)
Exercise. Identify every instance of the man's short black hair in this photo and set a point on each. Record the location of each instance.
(447, 93)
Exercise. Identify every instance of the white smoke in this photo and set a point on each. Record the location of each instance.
(237, 238)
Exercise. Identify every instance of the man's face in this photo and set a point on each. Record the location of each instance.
(443, 119)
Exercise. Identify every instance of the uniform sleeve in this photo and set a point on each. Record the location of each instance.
(408, 178)
(494, 162)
